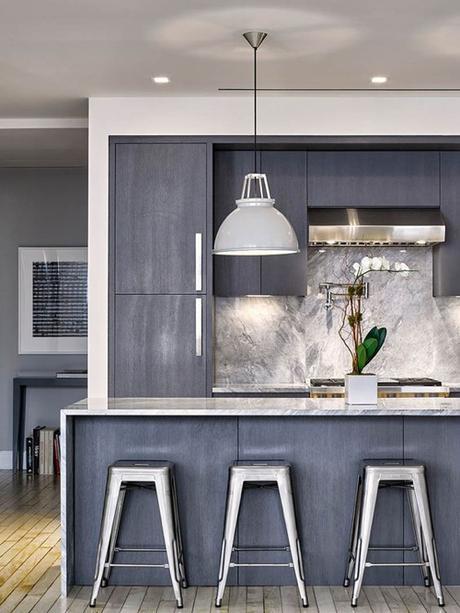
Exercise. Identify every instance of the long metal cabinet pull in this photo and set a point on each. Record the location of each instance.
(198, 261)
(198, 327)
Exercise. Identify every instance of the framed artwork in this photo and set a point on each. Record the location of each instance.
(53, 304)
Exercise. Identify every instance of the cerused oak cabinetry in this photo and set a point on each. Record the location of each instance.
(373, 178)
(160, 205)
(446, 257)
(159, 276)
(283, 275)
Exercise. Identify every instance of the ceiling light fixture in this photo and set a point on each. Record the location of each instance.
(255, 227)
(379, 80)
(161, 80)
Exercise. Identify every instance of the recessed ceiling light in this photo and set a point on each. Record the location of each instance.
(379, 80)
(160, 80)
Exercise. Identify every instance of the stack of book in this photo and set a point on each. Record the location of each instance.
(43, 451)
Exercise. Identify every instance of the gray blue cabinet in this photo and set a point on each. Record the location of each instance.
(373, 178)
(158, 268)
(446, 277)
(275, 275)
(160, 206)
(159, 345)
(233, 275)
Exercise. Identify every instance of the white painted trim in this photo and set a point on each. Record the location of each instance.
(40, 123)
(6, 460)
(389, 114)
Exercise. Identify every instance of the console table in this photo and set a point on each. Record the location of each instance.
(20, 385)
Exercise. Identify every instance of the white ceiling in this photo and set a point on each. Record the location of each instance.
(54, 54)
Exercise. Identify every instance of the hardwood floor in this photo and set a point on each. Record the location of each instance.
(29, 573)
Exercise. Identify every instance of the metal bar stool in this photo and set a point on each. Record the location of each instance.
(158, 476)
(242, 474)
(410, 476)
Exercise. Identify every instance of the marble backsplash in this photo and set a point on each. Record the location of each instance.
(290, 339)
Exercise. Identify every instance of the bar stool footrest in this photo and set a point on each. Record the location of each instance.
(426, 564)
(256, 548)
(395, 548)
(140, 549)
(136, 565)
(250, 564)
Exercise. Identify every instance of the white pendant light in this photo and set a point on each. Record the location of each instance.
(255, 227)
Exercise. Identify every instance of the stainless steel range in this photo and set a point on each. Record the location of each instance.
(387, 388)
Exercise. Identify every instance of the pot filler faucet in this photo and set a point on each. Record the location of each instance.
(338, 290)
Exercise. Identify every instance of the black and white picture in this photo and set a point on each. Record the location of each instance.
(53, 309)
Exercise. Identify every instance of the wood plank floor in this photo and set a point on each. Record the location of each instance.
(29, 573)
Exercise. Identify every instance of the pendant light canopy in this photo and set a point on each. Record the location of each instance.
(255, 227)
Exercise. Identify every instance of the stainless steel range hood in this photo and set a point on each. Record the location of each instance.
(375, 226)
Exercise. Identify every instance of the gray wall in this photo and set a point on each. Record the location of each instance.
(43, 207)
(289, 339)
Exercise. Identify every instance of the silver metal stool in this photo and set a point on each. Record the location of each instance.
(158, 476)
(409, 475)
(260, 473)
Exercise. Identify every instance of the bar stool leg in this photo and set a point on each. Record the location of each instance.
(371, 486)
(354, 533)
(235, 488)
(418, 535)
(108, 517)
(421, 495)
(178, 531)
(114, 536)
(165, 504)
(287, 503)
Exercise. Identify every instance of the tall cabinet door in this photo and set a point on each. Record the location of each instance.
(160, 217)
(446, 279)
(159, 348)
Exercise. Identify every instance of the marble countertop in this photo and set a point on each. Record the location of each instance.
(252, 407)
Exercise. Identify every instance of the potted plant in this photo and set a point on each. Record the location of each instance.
(360, 387)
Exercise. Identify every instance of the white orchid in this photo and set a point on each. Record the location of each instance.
(368, 264)
(402, 268)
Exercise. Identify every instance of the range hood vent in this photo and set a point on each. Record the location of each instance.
(375, 226)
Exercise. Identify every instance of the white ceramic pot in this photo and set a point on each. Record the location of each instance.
(361, 389)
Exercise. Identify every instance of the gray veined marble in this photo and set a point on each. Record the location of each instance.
(292, 339)
(256, 407)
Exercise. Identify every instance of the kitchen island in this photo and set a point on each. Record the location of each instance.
(324, 440)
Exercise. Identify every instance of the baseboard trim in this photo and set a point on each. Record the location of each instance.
(6, 460)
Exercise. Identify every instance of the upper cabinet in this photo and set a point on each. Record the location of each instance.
(373, 178)
(233, 275)
(160, 218)
(286, 275)
(446, 278)
(275, 275)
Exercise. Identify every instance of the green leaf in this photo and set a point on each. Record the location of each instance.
(382, 337)
(371, 345)
(362, 356)
(373, 333)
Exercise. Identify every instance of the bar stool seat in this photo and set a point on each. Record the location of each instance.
(409, 475)
(151, 474)
(260, 473)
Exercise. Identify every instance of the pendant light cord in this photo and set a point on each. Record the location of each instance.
(255, 109)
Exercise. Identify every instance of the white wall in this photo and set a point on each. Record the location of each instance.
(359, 115)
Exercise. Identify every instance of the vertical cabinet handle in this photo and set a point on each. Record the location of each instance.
(198, 261)
(198, 327)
